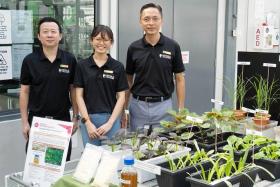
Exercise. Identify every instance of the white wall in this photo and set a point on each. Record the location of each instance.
(109, 17)
(250, 13)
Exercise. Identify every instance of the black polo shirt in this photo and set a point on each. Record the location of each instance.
(49, 82)
(100, 83)
(154, 66)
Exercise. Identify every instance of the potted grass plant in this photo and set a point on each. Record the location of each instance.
(237, 95)
(226, 171)
(266, 93)
(174, 171)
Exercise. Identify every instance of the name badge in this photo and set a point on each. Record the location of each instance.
(63, 65)
(108, 76)
(60, 70)
(108, 71)
(164, 56)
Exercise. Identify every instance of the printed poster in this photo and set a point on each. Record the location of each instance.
(5, 27)
(22, 27)
(186, 57)
(5, 63)
(47, 151)
(19, 51)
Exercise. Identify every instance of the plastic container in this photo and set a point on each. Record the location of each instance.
(128, 173)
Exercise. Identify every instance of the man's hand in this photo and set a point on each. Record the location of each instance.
(92, 131)
(103, 129)
(25, 130)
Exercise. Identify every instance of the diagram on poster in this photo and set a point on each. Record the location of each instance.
(47, 151)
(5, 63)
(5, 27)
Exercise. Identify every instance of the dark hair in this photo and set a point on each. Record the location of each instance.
(49, 19)
(151, 5)
(103, 29)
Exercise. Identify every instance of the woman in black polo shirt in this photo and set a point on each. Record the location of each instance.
(100, 87)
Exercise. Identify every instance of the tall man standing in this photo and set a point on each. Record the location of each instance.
(46, 80)
(152, 62)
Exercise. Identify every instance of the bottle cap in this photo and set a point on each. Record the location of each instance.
(128, 160)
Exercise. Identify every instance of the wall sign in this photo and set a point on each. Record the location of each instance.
(5, 27)
(5, 63)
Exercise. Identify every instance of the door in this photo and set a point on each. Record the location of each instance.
(192, 23)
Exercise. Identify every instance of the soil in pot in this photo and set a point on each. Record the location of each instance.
(261, 119)
(239, 114)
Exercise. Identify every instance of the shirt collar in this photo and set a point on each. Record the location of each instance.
(43, 56)
(107, 63)
(160, 42)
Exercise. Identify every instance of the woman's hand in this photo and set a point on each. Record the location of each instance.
(92, 131)
(102, 130)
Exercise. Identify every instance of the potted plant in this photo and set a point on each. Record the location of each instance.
(269, 158)
(266, 94)
(218, 120)
(152, 150)
(174, 171)
(239, 145)
(225, 171)
(237, 95)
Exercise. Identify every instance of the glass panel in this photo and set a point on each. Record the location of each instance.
(77, 19)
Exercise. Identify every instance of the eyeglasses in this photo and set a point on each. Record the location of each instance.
(99, 40)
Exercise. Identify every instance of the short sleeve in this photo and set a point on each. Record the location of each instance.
(122, 80)
(78, 79)
(178, 65)
(129, 62)
(25, 75)
(73, 72)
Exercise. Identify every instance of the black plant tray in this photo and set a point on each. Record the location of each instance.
(222, 140)
(170, 178)
(196, 181)
(239, 154)
(179, 131)
(273, 166)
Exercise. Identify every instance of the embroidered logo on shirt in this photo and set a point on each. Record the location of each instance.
(108, 76)
(63, 66)
(63, 70)
(164, 56)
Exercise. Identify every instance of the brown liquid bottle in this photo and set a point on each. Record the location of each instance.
(128, 173)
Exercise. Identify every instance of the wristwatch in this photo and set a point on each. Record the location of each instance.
(77, 116)
(84, 120)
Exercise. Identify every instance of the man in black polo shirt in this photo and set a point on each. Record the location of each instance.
(152, 61)
(46, 80)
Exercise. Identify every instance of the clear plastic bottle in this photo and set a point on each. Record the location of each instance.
(128, 173)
